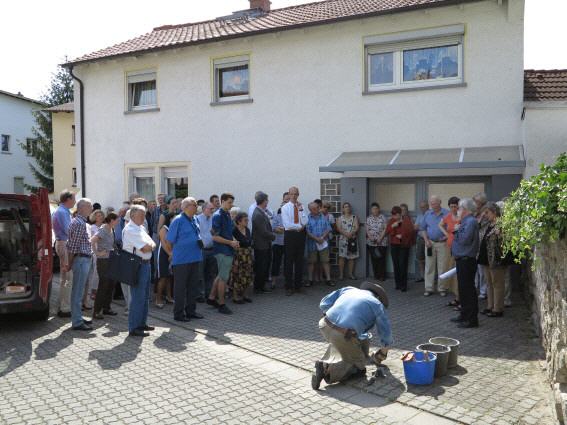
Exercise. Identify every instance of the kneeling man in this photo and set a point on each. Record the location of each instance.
(350, 313)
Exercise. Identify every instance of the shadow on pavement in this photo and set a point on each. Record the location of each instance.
(16, 351)
(49, 348)
(115, 357)
(169, 341)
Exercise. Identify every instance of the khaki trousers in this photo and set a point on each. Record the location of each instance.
(436, 262)
(495, 288)
(65, 278)
(343, 356)
(452, 282)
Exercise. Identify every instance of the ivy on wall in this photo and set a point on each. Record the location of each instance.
(536, 212)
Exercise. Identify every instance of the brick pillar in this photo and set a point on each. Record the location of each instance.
(331, 192)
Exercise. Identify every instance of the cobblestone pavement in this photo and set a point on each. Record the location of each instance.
(499, 379)
(50, 374)
(254, 367)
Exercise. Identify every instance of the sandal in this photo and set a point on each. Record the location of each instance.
(453, 303)
(486, 311)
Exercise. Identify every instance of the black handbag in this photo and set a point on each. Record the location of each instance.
(124, 267)
(352, 246)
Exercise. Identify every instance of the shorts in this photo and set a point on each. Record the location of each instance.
(420, 249)
(224, 263)
(319, 256)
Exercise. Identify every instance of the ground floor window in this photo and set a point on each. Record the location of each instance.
(150, 179)
(19, 187)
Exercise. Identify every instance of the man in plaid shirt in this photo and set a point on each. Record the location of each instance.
(80, 261)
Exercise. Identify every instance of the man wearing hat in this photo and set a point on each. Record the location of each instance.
(350, 313)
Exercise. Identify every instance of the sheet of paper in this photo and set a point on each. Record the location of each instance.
(322, 246)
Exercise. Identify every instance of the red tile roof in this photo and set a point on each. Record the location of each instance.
(545, 85)
(318, 13)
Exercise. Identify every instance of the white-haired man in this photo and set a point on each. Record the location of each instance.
(185, 237)
(437, 251)
(135, 239)
(80, 254)
(465, 249)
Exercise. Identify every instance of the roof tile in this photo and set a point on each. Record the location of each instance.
(545, 85)
(317, 13)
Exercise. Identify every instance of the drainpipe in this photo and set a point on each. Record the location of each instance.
(82, 124)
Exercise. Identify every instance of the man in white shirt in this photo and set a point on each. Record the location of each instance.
(135, 239)
(294, 219)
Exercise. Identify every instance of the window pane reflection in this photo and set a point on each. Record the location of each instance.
(382, 68)
(431, 63)
(233, 81)
(177, 187)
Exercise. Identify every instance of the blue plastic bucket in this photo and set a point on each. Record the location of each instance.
(419, 371)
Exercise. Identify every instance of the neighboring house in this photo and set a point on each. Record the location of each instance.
(351, 100)
(545, 116)
(64, 161)
(16, 122)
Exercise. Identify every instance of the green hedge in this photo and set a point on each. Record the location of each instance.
(536, 212)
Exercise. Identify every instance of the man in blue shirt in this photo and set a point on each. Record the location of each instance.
(465, 249)
(437, 251)
(224, 245)
(61, 219)
(184, 236)
(350, 313)
(209, 265)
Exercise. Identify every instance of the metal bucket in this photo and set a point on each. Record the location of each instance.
(442, 352)
(453, 344)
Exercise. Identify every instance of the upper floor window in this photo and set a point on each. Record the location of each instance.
(30, 146)
(74, 177)
(73, 142)
(5, 139)
(232, 79)
(416, 59)
(142, 90)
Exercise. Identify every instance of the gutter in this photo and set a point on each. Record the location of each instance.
(82, 124)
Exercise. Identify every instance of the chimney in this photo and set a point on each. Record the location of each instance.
(260, 4)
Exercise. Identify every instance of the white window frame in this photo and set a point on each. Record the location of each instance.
(229, 62)
(7, 136)
(400, 42)
(160, 171)
(135, 77)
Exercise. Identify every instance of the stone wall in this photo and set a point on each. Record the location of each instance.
(548, 292)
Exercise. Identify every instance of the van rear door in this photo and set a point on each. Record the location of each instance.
(44, 244)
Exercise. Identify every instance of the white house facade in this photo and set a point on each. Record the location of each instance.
(353, 101)
(16, 122)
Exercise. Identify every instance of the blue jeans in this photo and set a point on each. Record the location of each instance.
(81, 269)
(140, 299)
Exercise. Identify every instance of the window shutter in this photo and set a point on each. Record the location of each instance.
(140, 78)
(415, 44)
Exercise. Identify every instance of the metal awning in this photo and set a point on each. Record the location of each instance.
(431, 162)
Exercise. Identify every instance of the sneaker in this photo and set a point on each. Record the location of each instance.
(426, 294)
(318, 376)
(443, 293)
(223, 309)
(482, 297)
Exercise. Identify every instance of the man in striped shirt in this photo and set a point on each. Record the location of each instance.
(80, 261)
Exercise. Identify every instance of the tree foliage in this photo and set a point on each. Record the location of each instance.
(536, 212)
(59, 91)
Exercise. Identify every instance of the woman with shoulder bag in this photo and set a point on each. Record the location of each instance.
(376, 242)
(103, 242)
(497, 264)
(347, 226)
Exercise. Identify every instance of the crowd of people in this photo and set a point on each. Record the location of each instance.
(197, 251)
